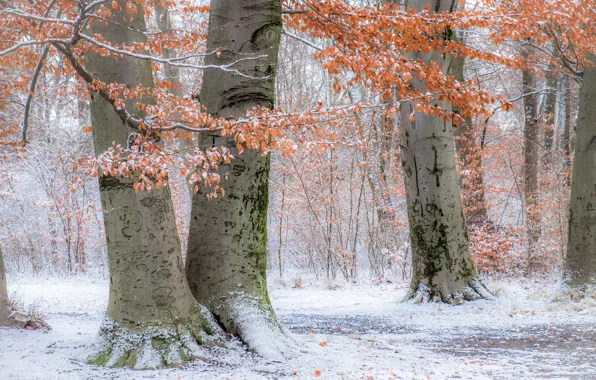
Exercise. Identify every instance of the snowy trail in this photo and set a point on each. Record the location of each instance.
(366, 331)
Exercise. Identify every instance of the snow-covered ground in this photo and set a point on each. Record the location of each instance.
(368, 334)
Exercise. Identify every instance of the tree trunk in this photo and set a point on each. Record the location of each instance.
(152, 319)
(226, 260)
(531, 153)
(442, 264)
(172, 75)
(580, 267)
(281, 221)
(565, 138)
(549, 115)
(4, 313)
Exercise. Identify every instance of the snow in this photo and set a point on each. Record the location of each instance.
(367, 332)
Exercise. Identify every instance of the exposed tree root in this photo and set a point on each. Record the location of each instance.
(151, 346)
(255, 323)
(449, 293)
(579, 293)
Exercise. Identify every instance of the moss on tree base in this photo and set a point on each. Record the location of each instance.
(156, 345)
(425, 291)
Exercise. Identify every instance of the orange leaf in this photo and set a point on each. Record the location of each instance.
(317, 373)
(323, 344)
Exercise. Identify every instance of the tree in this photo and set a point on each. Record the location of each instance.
(172, 75)
(441, 259)
(531, 158)
(550, 105)
(152, 318)
(580, 266)
(226, 260)
(4, 312)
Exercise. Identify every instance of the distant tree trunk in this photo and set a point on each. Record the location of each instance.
(442, 264)
(152, 318)
(470, 158)
(172, 74)
(549, 115)
(531, 156)
(4, 321)
(565, 138)
(580, 266)
(226, 260)
(281, 221)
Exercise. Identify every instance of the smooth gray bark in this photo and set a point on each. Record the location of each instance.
(226, 260)
(442, 264)
(152, 318)
(580, 266)
(4, 313)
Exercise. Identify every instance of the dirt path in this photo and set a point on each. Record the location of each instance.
(562, 351)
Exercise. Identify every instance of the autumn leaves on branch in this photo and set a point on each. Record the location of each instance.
(369, 43)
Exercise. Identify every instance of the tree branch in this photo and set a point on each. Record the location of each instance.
(32, 89)
(303, 40)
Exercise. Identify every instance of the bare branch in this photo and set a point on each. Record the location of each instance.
(303, 40)
(32, 89)
(294, 11)
(174, 61)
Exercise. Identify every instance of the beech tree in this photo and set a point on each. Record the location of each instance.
(531, 158)
(152, 318)
(441, 258)
(226, 260)
(580, 266)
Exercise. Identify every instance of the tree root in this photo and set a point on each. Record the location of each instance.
(579, 293)
(255, 323)
(152, 346)
(454, 295)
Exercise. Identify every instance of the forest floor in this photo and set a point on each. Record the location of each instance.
(368, 334)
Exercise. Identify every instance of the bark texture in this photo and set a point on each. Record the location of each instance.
(531, 157)
(567, 127)
(152, 318)
(549, 115)
(4, 313)
(580, 266)
(226, 260)
(442, 264)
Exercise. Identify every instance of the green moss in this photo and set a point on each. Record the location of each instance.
(128, 359)
(160, 343)
(102, 358)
